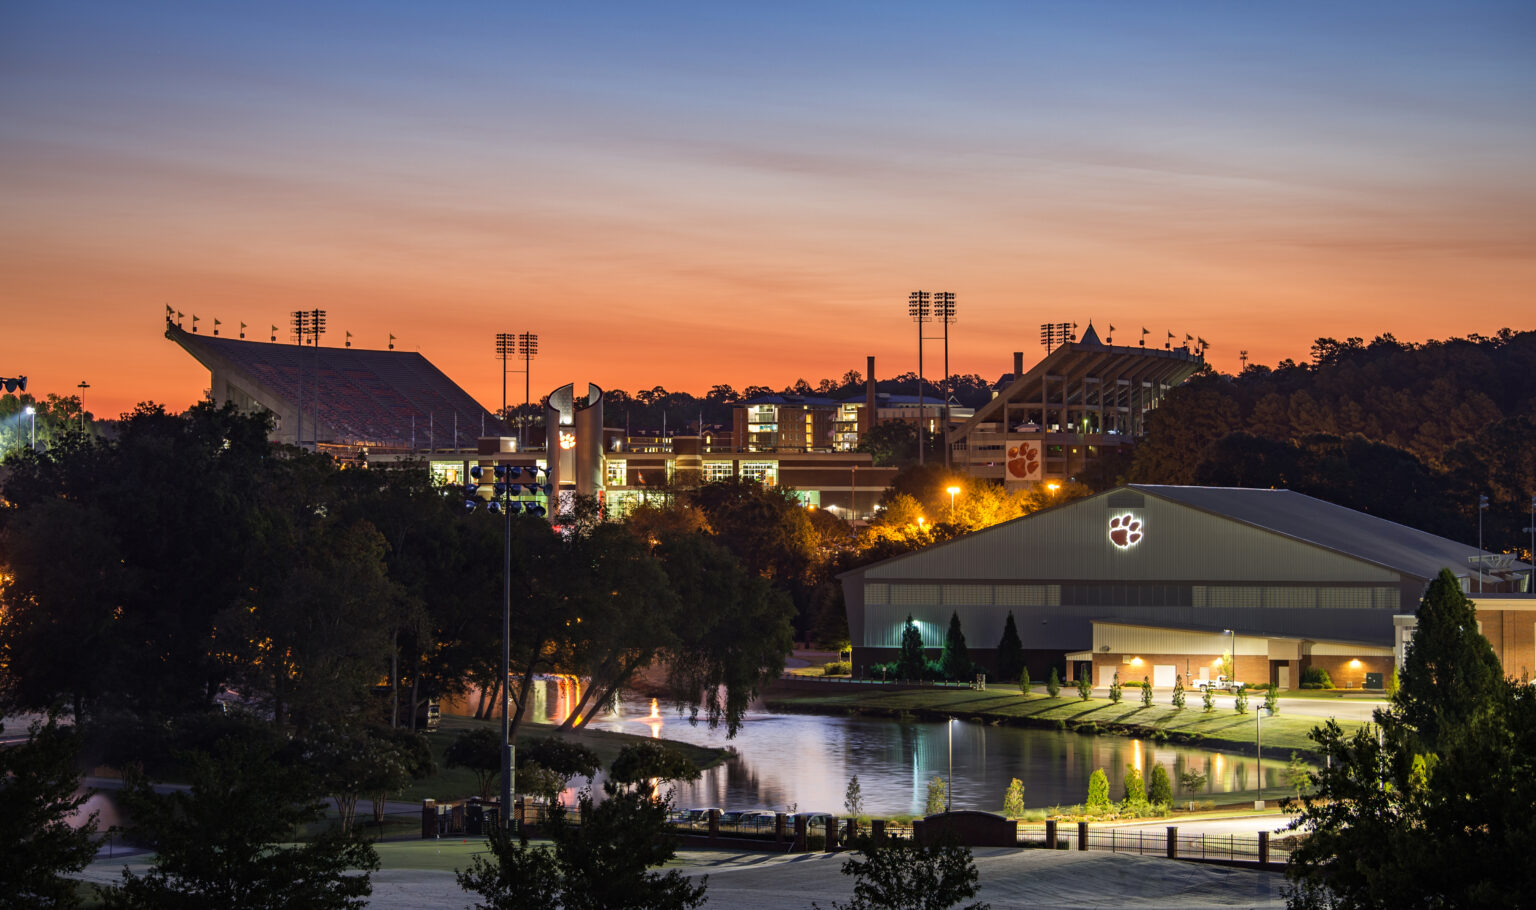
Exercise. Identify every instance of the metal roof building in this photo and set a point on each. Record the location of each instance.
(1263, 563)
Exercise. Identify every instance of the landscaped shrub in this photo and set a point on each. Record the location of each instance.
(1133, 684)
(1135, 786)
(1272, 702)
(1098, 791)
(1053, 685)
(1024, 681)
(1160, 792)
(1178, 692)
(1013, 799)
(1146, 693)
(1316, 678)
(1114, 688)
(1208, 699)
(1084, 688)
(836, 668)
(1241, 701)
(1088, 728)
(882, 671)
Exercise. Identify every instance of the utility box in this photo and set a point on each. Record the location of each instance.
(1373, 681)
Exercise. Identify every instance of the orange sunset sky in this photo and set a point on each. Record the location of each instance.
(685, 194)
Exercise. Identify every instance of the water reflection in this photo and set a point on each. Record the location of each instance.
(805, 760)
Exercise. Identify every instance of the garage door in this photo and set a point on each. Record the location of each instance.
(1107, 676)
(1163, 675)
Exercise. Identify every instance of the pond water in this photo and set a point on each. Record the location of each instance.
(806, 760)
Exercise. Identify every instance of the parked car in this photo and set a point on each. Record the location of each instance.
(1220, 682)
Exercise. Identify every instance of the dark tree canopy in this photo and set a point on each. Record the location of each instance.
(1449, 771)
(226, 841)
(39, 790)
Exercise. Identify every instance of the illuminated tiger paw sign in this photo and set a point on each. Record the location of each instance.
(1124, 531)
(1024, 460)
(567, 440)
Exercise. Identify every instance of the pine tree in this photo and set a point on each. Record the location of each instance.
(1450, 667)
(1208, 700)
(1146, 692)
(1053, 685)
(1178, 692)
(1024, 682)
(1084, 687)
(911, 663)
(1010, 651)
(956, 660)
(1240, 702)
(1115, 688)
(1272, 701)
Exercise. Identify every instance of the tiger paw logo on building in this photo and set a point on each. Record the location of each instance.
(1023, 460)
(1124, 531)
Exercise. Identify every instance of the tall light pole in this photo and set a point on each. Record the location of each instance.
(952, 491)
(1482, 506)
(919, 309)
(504, 496)
(32, 431)
(311, 323)
(82, 387)
(506, 345)
(528, 348)
(1530, 585)
(944, 311)
(949, 788)
(1232, 667)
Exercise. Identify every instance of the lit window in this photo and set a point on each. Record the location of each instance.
(614, 472)
(717, 471)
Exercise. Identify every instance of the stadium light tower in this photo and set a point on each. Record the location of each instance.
(311, 323)
(921, 311)
(944, 311)
(527, 348)
(504, 497)
(505, 347)
(82, 387)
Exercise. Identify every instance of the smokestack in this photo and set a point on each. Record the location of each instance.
(1018, 364)
(869, 396)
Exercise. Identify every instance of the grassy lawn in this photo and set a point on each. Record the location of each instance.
(1221, 728)
(456, 783)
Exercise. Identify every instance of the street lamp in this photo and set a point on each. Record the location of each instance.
(1231, 667)
(503, 496)
(949, 788)
(952, 491)
(1053, 486)
(82, 387)
(31, 413)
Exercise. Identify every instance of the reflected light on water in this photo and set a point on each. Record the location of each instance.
(1136, 757)
(655, 711)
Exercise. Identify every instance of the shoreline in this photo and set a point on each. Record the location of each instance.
(1221, 729)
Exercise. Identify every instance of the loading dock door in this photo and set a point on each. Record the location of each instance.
(1107, 676)
(1163, 674)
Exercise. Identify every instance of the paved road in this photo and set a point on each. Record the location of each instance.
(1010, 880)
